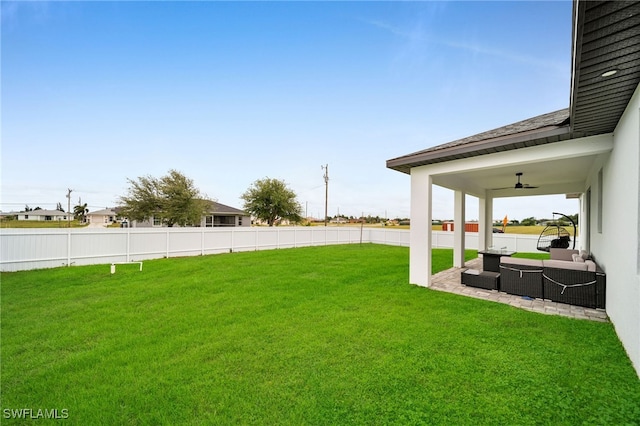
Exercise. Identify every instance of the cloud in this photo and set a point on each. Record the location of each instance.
(415, 35)
(418, 40)
(479, 49)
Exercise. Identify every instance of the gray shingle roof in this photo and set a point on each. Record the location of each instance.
(545, 128)
(104, 212)
(221, 208)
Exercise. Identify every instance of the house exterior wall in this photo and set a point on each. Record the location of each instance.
(222, 220)
(213, 221)
(101, 219)
(37, 215)
(468, 227)
(615, 234)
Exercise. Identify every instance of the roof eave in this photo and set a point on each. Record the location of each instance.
(540, 136)
(576, 52)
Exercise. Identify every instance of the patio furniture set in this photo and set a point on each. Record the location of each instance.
(569, 277)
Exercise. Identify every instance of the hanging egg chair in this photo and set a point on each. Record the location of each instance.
(556, 236)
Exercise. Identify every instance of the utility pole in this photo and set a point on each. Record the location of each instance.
(69, 191)
(326, 191)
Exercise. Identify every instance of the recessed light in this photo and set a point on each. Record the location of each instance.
(609, 73)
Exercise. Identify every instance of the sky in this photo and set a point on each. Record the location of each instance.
(96, 93)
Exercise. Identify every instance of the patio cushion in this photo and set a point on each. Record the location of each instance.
(577, 258)
(562, 254)
(517, 261)
(562, 264)
(591, 266)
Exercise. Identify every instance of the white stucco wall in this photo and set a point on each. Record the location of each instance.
(246, 221)
(38, 215)
(616, 246)
(100, 219)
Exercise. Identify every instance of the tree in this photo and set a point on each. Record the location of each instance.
(80, 211)
(59, 207)
(270, 200)
(173, 199)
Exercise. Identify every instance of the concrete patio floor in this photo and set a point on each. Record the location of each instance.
(449, 281)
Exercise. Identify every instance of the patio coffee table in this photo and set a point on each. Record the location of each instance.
(491, 259)
(481, 279)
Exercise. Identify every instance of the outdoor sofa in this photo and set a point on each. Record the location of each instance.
(568, 277)
(521, 276)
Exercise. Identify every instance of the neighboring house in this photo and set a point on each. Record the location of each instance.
(219, 215)
(45, 215)
(469, 226)
(338, 220)
(222, 215)
(9, 215)
(591, 149)
(106, 217)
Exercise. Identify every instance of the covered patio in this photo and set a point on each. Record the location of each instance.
(449, 281)
(550, 157)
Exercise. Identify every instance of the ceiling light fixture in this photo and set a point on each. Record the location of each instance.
(609, 73)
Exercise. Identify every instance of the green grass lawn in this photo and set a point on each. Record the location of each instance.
(319, 335)
(6, 223)
(537, 255)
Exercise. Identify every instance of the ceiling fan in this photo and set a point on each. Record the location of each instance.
(519, 185)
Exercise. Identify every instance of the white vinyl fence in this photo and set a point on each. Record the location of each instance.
(25, 249)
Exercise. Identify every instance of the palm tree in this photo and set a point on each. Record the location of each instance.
(80, 211)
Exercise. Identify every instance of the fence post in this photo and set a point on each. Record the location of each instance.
(128, 244)
(69, 247)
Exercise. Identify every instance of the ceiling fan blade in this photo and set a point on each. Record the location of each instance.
(518, 185)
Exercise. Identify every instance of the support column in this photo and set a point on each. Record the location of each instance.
(459, 219)
(485, 226)
(420, 231)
